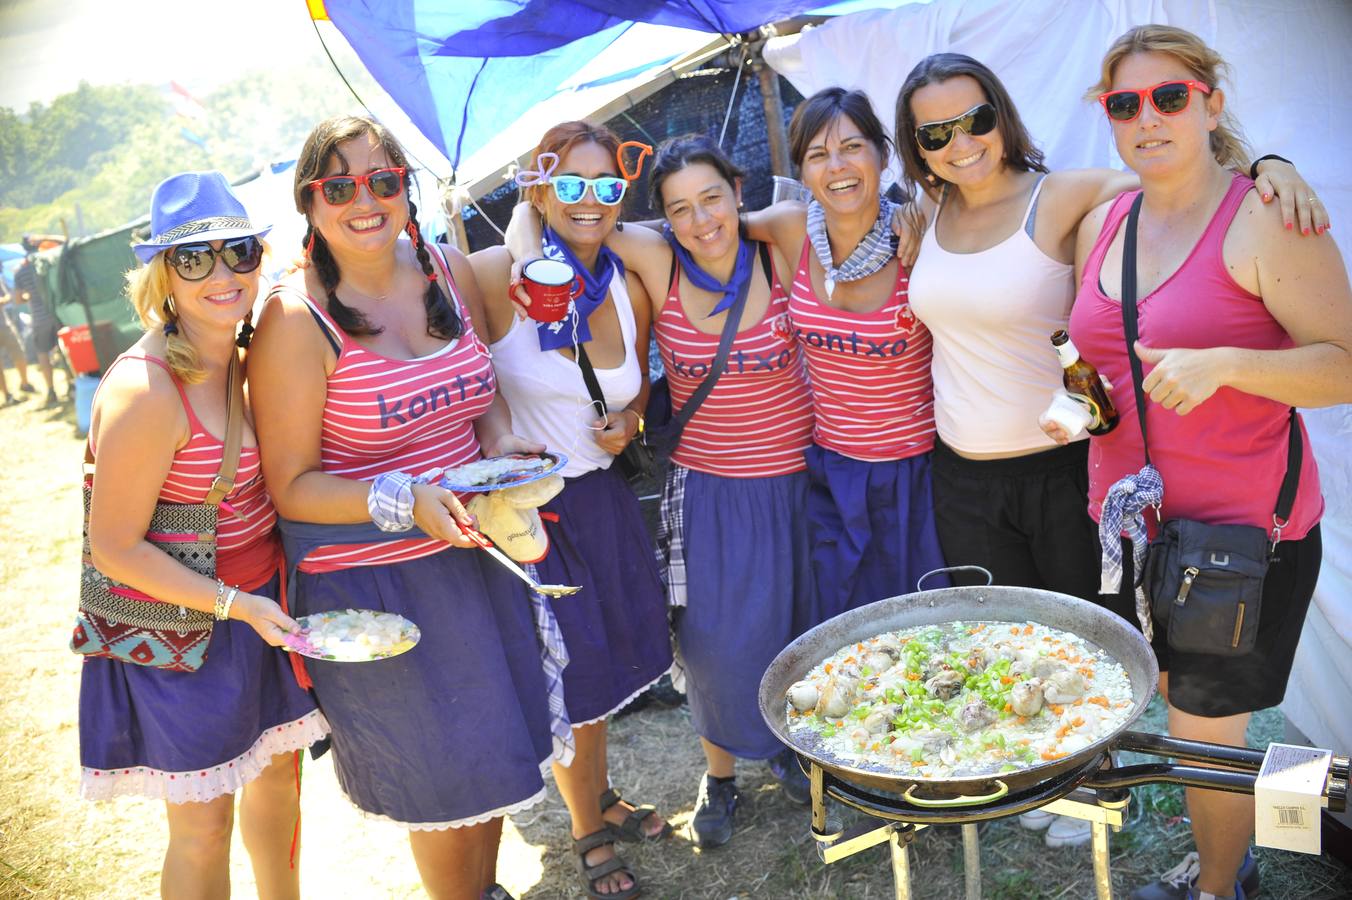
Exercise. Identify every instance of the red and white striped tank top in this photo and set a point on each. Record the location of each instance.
(400, 415)
(870, 372)
(246, 514)
(757, 421)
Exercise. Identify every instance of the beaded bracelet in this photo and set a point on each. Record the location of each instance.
(216, 609)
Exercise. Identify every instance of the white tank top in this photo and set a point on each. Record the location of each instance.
(548, 397)
(992, 314)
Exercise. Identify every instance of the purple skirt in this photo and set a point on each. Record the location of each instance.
(616, 626)
(738, 616)
(192, 736)
(872, 528)
(453, 732)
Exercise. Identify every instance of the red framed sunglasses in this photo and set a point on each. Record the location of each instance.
(1168, 97)
(340, 190)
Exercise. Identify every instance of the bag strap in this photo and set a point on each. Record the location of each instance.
(730, 327)
(1295, 447)
(224, 482)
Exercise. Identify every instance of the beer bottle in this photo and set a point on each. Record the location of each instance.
(1084, 385)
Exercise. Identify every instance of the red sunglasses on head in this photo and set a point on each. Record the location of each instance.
(1168, 97)
(340, 190)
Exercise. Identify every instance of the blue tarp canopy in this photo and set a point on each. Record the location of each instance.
(463, 72)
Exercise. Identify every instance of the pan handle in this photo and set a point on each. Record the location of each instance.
(990, 579)
(957, 801)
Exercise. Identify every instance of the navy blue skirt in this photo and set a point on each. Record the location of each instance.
(749, 591)
(616, 626)
(455, 731)
(192, 736)
(872, 528)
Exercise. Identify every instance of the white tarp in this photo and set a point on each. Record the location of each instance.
(1292, 63)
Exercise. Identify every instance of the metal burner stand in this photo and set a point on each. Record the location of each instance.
(1101, 808)
(1096, 791)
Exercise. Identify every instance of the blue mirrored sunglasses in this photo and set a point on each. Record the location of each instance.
(607, 189)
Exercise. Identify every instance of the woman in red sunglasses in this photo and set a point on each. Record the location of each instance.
(993, 280)
(1239, 320)
(615, 628)
(369, 377)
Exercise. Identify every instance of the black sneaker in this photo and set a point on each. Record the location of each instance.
(714, 811)
(28, 389)
(1178, 882)
(495, 892)
(790, 776)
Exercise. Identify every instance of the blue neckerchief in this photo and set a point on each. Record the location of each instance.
(573, 327)
(701, 279)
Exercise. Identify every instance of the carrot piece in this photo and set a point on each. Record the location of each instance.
(1077, 721)
(1024, 741)
(1052, 754)
(1100, 701)
(1056, 709)
(1023, 720)
(1007, 679)
(827, 668)
(1014, 630)
(1062, 731)
(1028, 629)
(1009, 707)
(912, 676)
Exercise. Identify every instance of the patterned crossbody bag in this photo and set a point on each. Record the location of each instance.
(119, 622)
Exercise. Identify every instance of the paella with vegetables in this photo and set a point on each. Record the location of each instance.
(959, 699)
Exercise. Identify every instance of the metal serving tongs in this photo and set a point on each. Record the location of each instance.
(549, 590)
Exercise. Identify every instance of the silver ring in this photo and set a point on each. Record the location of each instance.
(1311, 199)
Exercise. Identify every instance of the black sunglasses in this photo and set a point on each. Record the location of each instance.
(976, 121)
(194, 262)
(340, 190)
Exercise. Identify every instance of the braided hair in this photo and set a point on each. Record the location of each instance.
(443, 321)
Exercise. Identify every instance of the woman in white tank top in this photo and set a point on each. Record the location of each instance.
(994, 278)
(615, 628)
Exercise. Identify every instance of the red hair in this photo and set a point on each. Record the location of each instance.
(564, 137)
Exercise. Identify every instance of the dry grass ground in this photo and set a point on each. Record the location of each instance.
(53, 845)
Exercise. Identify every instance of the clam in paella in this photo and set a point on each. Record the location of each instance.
(961, 699)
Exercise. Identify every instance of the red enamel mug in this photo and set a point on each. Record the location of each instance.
(552, 286)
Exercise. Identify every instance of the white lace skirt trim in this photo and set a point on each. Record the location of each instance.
(206, 784)
(622, 704)
(510, 809)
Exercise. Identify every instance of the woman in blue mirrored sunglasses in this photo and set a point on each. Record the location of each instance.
(616, 627)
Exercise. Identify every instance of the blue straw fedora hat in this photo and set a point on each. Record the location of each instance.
(193, 207)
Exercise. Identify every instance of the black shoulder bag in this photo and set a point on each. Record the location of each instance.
(1204, 582)
(649, 451)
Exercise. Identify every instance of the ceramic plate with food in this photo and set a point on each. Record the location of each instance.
(353, 635)
(500, 472)
(961, 699)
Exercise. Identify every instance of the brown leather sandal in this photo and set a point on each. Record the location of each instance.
(592, 874)
(631, 829)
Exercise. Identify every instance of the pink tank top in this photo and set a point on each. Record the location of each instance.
(870, 372)
(400, 415)
(757, 421)
(246, 515)
(1223, 462)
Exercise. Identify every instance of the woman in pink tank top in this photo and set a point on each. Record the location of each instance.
(193, 739)
(368, 372)
(1240, 320)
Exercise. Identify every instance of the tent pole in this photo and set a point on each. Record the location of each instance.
(774, 116)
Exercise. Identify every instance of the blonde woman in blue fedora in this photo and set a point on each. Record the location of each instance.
(193, 739)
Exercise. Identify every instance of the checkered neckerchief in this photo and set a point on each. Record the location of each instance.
(1123, 514)
(553, 659)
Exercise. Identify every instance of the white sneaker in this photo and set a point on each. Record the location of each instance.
(1068, 832)
(1036, 820)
